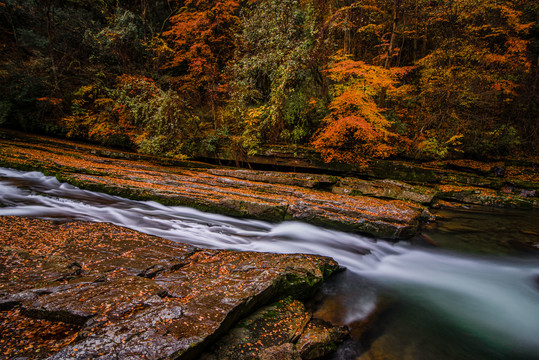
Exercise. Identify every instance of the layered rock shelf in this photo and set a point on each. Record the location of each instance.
(388, 199)
(271, 196)
(81, 290)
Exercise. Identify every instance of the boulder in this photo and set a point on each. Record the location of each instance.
(319, 339)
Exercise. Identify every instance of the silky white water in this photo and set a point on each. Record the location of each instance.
(490, 304)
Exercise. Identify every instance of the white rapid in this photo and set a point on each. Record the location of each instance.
(490, 302)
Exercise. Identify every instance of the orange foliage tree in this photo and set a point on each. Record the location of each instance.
(469, 83)
(201, 35)
(97, 116)
(356, 127)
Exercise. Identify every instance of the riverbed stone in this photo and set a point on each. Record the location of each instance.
(283, 331)
(485, 197)
(320, 338)
(286, 351)
(382, 198)
(386, 188)
(311, 181)
(136, 296)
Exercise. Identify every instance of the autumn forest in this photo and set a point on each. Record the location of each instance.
(419, 79)
(269, 179)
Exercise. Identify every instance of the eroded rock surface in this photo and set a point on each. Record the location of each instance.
(320, 338)
(134, 296)
(382, 198)
(263, 195)
(390, 189)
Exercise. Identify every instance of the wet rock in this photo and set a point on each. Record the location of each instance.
(285, 351)
(148, 332)
(387, 199)
(28, 338)
(388, 219)
(138, 296)
(11, 300)
(260, 208)
(80, 302)
(273, 177)
(272, 196)
(390, 189)
(283, 330)
(485, 197)
(264, 331)
(22, 267)
(319, 339)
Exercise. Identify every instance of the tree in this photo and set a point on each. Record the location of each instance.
(278, 88)
(201, 35)
(469, 82)
(356, 127)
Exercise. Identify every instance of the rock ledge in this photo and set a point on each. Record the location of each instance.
(129, 295)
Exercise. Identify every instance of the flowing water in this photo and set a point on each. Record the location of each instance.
(433, 304)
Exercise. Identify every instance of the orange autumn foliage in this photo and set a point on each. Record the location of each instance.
(50, 100)
(96, 115)
(201, 35)
(356, 127)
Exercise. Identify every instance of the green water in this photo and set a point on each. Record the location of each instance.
(511, 232)
(472, 294)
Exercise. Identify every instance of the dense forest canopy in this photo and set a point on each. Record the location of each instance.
(352, 79)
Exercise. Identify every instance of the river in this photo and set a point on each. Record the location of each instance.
(437, 304)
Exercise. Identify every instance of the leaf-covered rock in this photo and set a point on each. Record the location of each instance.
(131, 295)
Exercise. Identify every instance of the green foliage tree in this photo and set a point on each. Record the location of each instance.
(456, 78)
(165, 124)
(276, 79)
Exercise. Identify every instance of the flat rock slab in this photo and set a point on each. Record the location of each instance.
(269, 196)
(134, 296)
(390, 189)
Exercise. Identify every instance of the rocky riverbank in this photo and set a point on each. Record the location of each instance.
(271, 196)
(389, 199)
(82, 290)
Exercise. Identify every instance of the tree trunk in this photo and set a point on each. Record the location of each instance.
(393, 33)
(50, 25)
(403, 27)
(390, 48)
(416, 29)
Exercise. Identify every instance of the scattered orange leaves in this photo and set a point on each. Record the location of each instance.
(28, 338)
